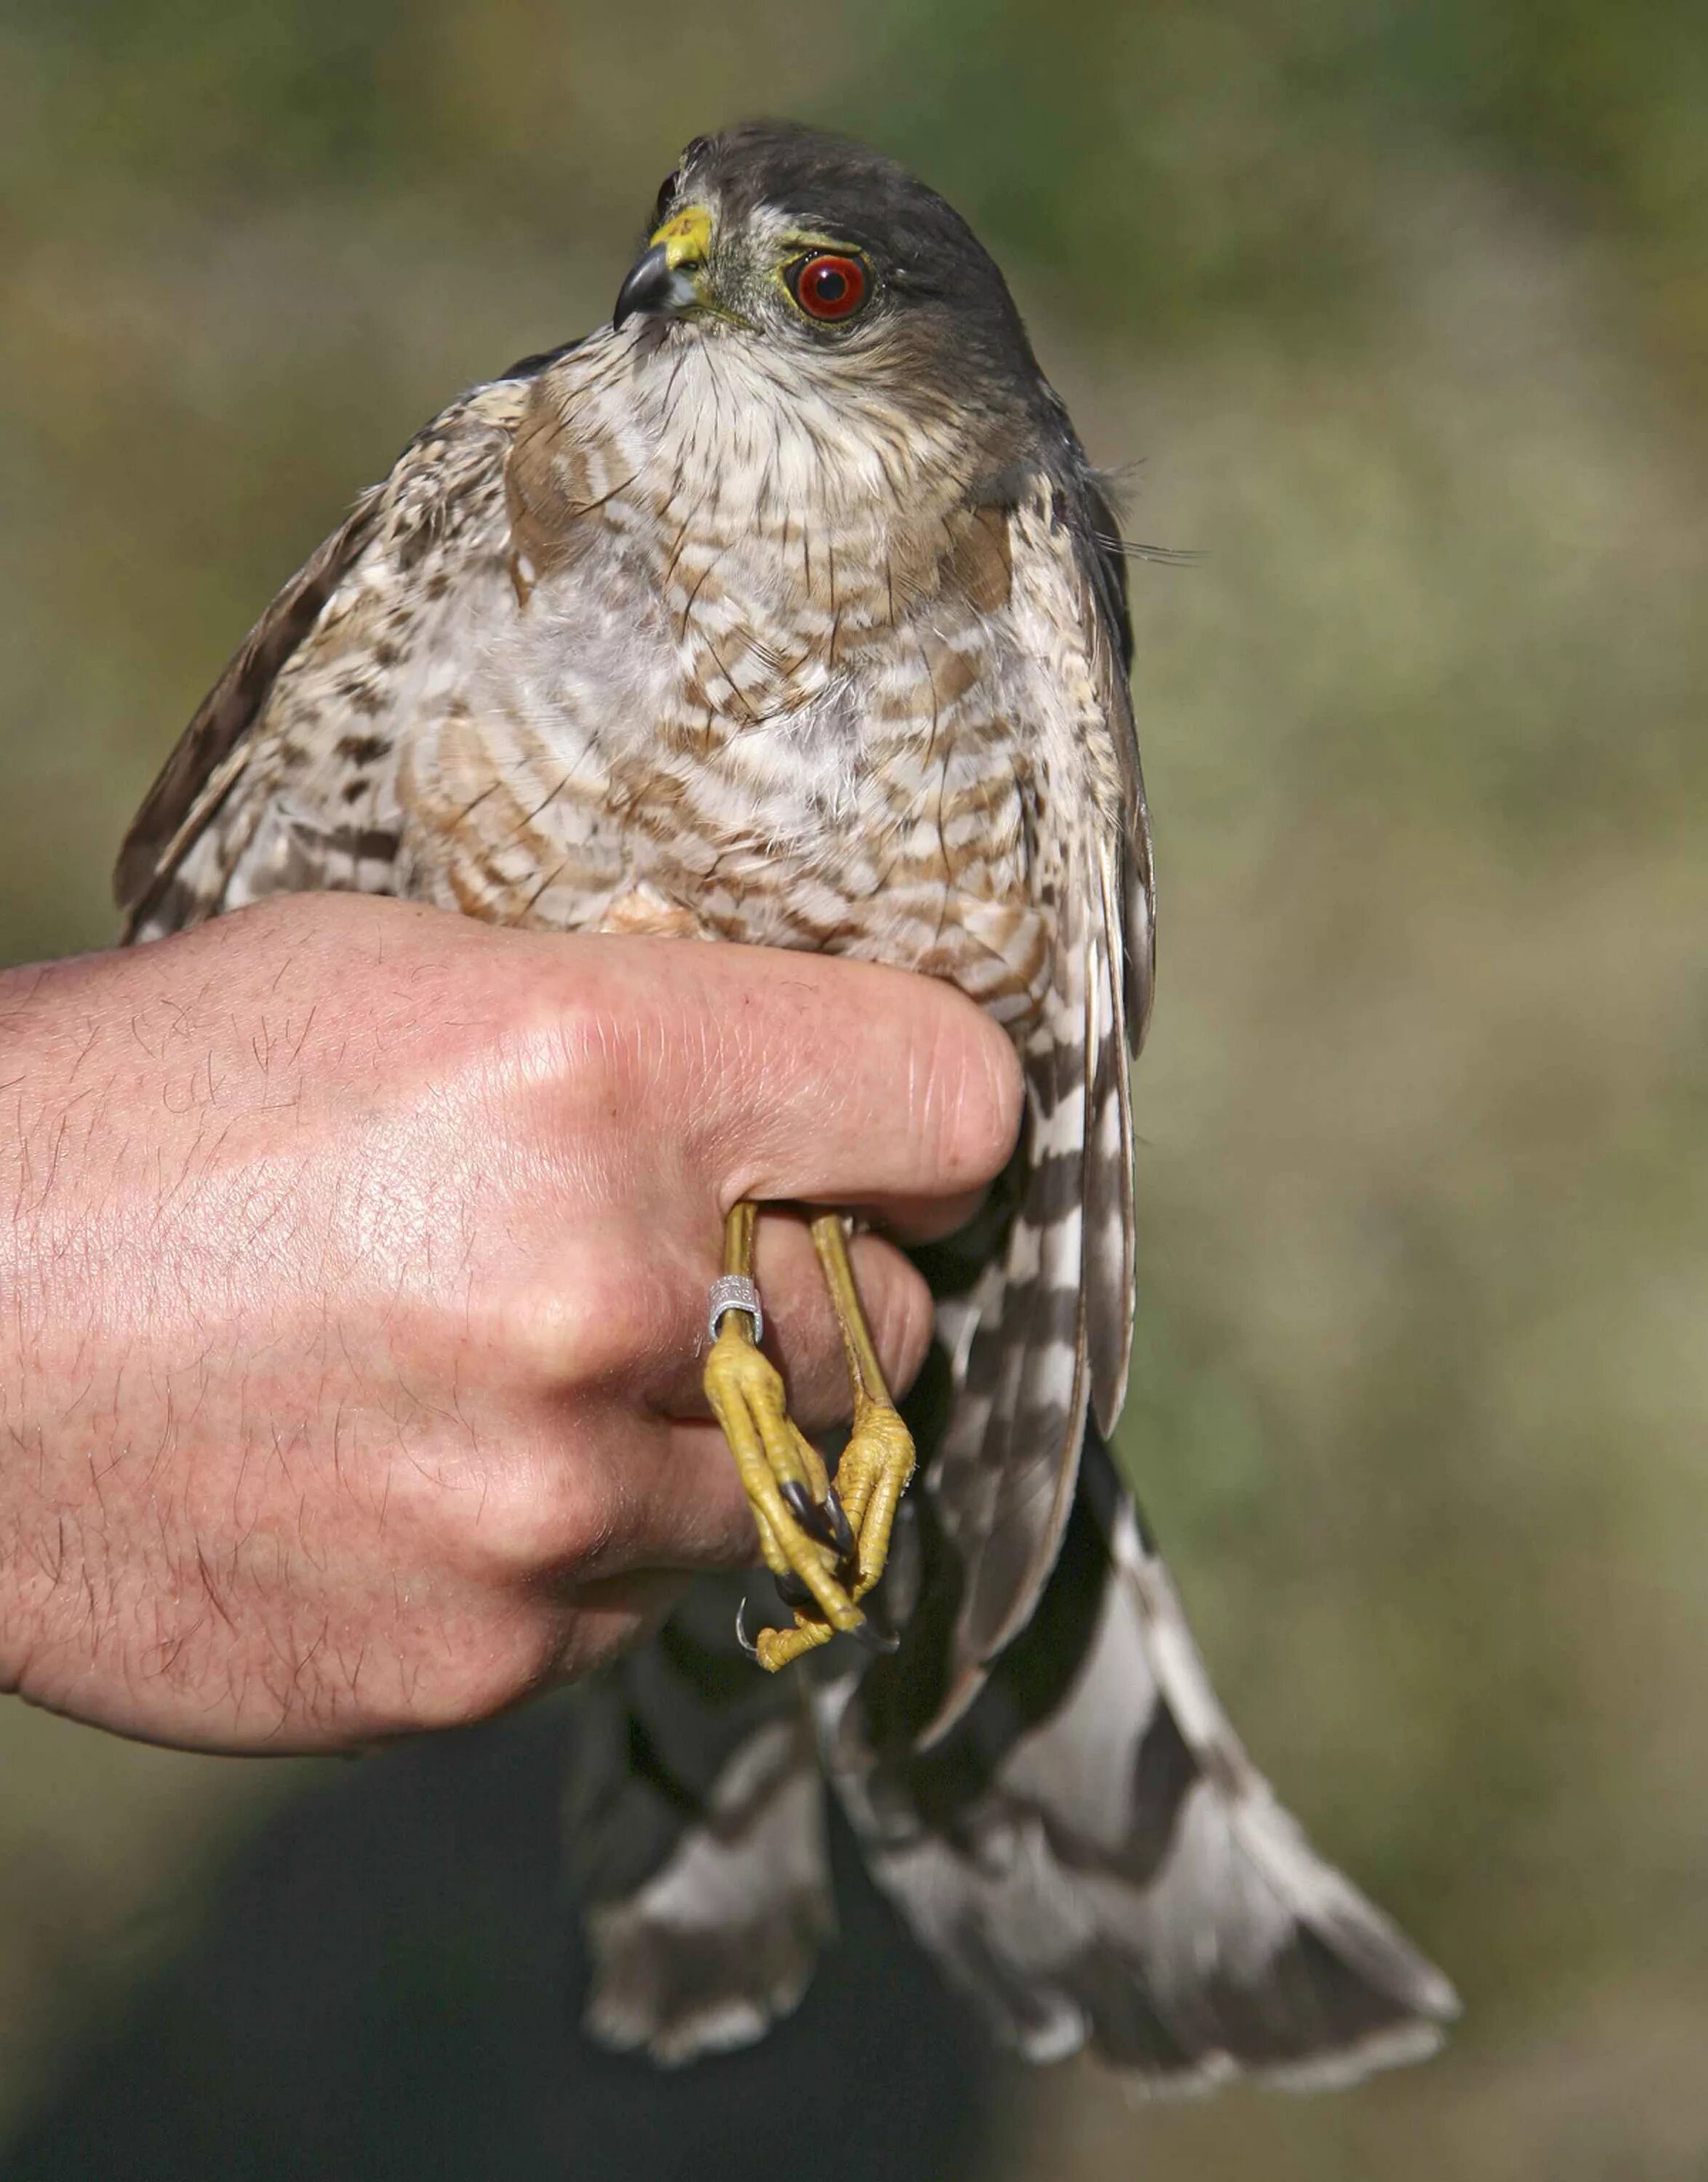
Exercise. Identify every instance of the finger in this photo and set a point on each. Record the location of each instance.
(603, 1618)
(574, 1493)
(925, 1218)
(654, 1495)
(877, 1089)
(808, 1339)
(801, 1328)
(801, 1076)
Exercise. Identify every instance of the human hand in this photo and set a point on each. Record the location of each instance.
(354, 1259)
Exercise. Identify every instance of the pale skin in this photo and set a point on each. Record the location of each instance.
(353, 1262)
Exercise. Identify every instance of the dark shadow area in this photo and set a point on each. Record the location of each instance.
(388, 1985)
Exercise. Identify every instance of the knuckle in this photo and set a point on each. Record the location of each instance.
(563, 1037)
(593, 1318)
(548, 1055)
(573, 1035)
(536, 1499)
(548, 1514)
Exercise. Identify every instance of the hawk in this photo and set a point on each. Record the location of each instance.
(786, 608)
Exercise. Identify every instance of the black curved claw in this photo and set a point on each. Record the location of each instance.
(793, 1593)
(841, 1538)
(741, 1636)
(824, 1520)
(872, 1637)
(804, 1509)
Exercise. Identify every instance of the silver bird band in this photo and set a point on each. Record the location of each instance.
(731, 1292)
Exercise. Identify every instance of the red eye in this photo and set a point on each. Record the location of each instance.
(829, 287)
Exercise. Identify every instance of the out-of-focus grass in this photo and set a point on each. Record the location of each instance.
(1402, 310)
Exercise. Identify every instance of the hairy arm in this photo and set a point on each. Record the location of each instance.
(352, 1272)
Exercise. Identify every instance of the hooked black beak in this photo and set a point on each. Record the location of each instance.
(655, 288)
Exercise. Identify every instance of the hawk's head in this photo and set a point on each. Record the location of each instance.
(834, 257)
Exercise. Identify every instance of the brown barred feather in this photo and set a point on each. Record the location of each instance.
(1003, 1480)
(157, 836)
(1092, 1858)
(1109, 1173)
(695, 1825)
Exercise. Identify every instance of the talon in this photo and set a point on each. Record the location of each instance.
(806, 1509)
(825, 1544)
(793, 1593)
(782, 1471)
(842, 1539)
(742, 1638)
(826, 1520)
(871, 1638)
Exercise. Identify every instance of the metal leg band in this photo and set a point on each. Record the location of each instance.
(730, 1292)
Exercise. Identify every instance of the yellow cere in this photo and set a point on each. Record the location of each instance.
(687, 238)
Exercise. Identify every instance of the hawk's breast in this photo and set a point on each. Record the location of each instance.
(793, 719)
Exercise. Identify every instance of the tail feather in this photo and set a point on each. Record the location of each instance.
(1091, 1855)
(694, 1827)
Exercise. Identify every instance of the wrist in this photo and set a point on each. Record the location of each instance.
(49, 1122)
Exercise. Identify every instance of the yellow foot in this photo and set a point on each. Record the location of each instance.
(806, 1540)
(825, 1544)
(871, 1478)
(777, 1647)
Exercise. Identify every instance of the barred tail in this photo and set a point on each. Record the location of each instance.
(694, 1831)
(1091, 1856)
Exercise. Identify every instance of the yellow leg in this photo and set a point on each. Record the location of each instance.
(832, 1543)
(786, 1482)
(878, 1460)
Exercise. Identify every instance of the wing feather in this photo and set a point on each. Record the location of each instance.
(1101, 554)
(1004, 1479)
(178, 861)
(159, 836)
(1109, 1179)
(1050, 1339)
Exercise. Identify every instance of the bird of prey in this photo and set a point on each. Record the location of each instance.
(786, 608)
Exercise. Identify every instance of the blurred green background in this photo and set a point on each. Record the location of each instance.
(1399, 314)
